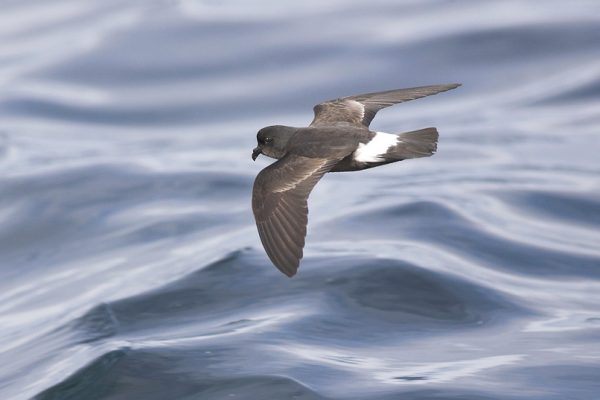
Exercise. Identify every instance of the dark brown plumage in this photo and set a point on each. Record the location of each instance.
(338, 139)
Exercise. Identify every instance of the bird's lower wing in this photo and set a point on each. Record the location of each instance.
(279, 203)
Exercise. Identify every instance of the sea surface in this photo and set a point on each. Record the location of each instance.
(130, 266)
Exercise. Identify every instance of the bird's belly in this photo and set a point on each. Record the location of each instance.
(350, 163)
(347, 164)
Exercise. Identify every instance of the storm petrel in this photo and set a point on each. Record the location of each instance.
(338, 139)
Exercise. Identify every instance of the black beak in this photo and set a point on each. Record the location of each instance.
(255, 153)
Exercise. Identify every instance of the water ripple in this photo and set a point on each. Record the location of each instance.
(129, 259)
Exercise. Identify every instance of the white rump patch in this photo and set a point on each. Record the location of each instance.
(373, 150)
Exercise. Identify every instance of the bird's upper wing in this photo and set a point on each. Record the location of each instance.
(279, 203)
(361, 109)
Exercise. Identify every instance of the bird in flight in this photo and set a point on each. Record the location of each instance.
(338, 139)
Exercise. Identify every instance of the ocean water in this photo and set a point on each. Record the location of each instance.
(130, 267)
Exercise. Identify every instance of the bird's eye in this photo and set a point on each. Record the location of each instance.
(268, 140)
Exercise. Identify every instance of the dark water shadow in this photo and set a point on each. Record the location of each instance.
(432, 222)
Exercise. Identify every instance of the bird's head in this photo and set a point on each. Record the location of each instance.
(272, 141)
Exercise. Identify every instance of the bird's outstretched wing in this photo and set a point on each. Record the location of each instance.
(279, 203)
(360, 110)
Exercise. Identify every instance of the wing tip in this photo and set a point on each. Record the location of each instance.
(442, 87)
(290, 274)
(287, 270)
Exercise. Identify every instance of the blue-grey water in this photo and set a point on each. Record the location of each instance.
(130, 267)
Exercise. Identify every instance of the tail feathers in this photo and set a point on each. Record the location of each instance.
(415, 144)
